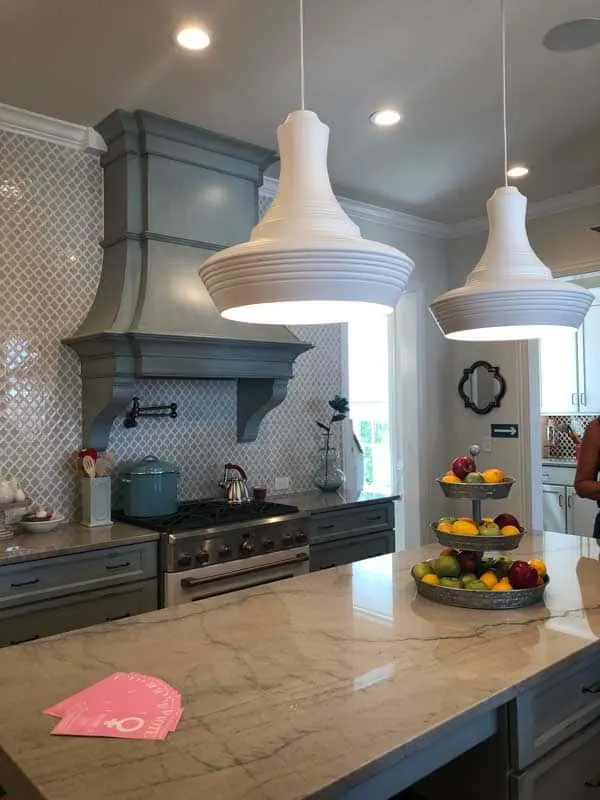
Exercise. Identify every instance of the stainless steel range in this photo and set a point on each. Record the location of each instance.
(214, 547)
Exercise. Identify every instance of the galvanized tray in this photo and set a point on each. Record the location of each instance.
(477, 491)
(478, 543)
(482, 599)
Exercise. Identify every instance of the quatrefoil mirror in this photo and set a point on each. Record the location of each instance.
(482, 387)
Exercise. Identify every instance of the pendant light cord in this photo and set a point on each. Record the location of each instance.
(302, 54)
(504, 90)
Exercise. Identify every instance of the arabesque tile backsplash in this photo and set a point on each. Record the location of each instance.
(50, 262)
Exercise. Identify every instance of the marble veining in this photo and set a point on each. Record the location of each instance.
(70, 538)
(295, 689)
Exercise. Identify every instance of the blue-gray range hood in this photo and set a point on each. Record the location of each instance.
(173, 195)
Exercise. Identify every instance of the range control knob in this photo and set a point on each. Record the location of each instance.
(300, 537)
(224, 551)
(184, 560)
(202, 557)
(268, 544)
(247, 547)
(286, 539)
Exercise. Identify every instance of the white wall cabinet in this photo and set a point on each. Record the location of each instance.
(570, 368)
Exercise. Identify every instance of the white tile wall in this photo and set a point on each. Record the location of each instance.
(50, 261)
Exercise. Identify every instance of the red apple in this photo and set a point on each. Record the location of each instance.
(502, 520)
(522, 576)
(469, 561)
(462, 465)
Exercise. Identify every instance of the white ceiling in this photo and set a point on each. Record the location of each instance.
(438, 61)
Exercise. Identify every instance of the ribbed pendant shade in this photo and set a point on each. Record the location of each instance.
(306, 261)
(510, 295)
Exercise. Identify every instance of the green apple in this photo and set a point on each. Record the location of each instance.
(446, 567)
(474, 477)
(420, 570)
(489, 529)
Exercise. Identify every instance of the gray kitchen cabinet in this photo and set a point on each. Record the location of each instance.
(345, 535)
(45, 578)
(569, 372)
(555, 508)
(36, 620)
(351, 548)
(571, 772)
(63, 592)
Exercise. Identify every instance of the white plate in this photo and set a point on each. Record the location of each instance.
(43, 525)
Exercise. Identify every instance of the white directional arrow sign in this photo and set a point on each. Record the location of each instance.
(504, 431)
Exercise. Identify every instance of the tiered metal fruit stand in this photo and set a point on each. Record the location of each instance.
(469, 598)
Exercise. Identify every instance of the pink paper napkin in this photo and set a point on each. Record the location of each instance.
(124, 705)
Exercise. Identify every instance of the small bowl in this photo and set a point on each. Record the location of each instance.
(42, 525)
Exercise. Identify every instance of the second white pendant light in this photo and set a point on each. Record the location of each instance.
(306, 261)
(510, 294)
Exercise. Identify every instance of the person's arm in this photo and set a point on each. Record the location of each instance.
(586, 477)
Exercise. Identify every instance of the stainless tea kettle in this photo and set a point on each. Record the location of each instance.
(236, 486)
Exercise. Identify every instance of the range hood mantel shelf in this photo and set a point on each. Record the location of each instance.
(174, 194)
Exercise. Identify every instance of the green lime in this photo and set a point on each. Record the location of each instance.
(451, 583)
(477, 586)
(420, 570)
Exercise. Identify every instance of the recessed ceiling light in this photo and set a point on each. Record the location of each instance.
(518, 171)
(385, 117)
(576, 34)
(191, 37)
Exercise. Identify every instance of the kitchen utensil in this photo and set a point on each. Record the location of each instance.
(149, 488)
(236, 486)
(103, 464)
(42, 525)
(259, 493)
(89, 466)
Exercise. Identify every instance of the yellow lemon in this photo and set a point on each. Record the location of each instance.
(451, 479)
(430, 579)
(510, 530)
(490, 579)
(465, 527)
(539, 566)
(444, 526)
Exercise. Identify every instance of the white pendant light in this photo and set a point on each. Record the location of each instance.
(306, 262)
(510, 295)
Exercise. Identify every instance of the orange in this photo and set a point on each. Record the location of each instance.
(490, 579)
(451, 478)
(502, 586)
(487, 519)
(509, 530)
(540, 581)
(450, 472)
(449, 551)
(465, 527)
(539, 566)
(430, 579)
(493, 475)
(444, 526)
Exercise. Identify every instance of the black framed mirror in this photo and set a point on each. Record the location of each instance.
(482, 387)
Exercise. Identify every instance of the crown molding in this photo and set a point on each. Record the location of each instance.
(37, 126)
(368, 212)
(540, 208)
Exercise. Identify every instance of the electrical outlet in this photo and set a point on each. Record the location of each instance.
(282, 482)
(487, 445)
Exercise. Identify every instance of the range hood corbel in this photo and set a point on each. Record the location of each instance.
(173, 194)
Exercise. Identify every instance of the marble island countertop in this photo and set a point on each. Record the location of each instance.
(301, 688)
(70, 538)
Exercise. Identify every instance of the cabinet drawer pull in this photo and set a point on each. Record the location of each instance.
(574, 399)
(374, 517)
(119, 616)
(594, 783)
(561, 501)
(326, 527)
(118, 566)
(593, 689)
(24, 583)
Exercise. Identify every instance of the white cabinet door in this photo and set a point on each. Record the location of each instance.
(589, 362)
(581, 514)
(558, 373)
(555, 508)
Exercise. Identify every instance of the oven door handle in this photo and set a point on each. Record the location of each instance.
(190, 583)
